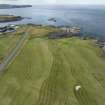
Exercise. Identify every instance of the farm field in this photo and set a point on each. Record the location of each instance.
(47, 72)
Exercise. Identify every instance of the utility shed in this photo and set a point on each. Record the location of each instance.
(72, 30)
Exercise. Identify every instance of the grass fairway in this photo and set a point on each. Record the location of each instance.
(46, 72)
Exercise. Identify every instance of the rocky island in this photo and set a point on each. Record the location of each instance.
(10, 18)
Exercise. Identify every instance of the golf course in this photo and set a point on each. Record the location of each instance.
(67, 71)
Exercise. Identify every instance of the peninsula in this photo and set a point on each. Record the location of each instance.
(10, 18)
(9, 6)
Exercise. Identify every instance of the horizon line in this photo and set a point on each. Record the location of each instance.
(50, 4)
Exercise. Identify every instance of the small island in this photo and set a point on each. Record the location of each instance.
(10, 18)
(52, 19)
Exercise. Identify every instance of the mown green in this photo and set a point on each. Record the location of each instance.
(47, 71)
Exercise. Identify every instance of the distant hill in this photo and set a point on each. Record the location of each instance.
(8, 6)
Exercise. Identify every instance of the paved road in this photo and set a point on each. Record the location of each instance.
(14, 52)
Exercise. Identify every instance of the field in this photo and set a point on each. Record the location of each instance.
(47, 72)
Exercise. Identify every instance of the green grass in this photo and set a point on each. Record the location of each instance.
(8, 41)
(47, 71)
(6, 44)
(38, 32)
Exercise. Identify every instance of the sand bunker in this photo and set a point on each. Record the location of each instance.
(77, 87)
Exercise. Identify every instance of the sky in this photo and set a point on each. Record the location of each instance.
(58, 2)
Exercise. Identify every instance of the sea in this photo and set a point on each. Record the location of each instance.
(90, 18)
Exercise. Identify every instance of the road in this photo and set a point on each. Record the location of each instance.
(14, 52)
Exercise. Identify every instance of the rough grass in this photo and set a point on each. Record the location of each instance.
(41, 31)
(6, 44)
(47, 71)
(8, 40)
